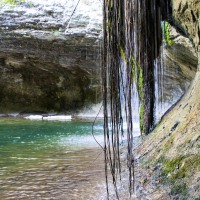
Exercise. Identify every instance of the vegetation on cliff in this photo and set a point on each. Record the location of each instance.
(12, 2)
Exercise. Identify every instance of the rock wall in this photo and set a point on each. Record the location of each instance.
(186, 16)
(181, 59)
(170, 157)
(50, 56)
(176, 71)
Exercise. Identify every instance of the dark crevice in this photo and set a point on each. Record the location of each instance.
(178, 28)
(199, 33)
(184, 8)
(179, 8)
(193, 17)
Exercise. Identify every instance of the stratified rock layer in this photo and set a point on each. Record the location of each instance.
(179, 65)
(49, 56)
(186, 15)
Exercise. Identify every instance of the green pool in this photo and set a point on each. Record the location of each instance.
(50, 160)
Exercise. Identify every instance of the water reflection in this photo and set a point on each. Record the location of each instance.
(49, 160)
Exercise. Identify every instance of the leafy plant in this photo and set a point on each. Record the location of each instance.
(12, 2)
(166, 33)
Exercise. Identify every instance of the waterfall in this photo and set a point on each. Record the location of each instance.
(159, 69)
(132, 40)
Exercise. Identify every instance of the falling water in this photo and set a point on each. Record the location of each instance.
(159, 69)
(167, 73)
(131, 33)
(134, 100)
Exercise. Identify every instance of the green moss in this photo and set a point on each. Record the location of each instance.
(198, 198)
(123, 54)
(109, 25)
(141, 83)
(175, 164)
(140, 86)
(176, 172)
(179, 167)
(110, 4)
(137, 76)
(180, 189)
(133, 64)
(168, 144)
(142, 118)
(194, 161)
(161, 159)
(13, 2)
(166, 33)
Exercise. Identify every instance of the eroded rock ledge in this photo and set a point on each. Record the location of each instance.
(49, 60)
(180, 65)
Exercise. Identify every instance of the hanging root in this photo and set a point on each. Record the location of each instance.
(132, 39)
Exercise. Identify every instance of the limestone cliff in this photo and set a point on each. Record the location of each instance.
(179, 65)
(50, 56)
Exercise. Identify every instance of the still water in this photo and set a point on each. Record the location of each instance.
(50, 160)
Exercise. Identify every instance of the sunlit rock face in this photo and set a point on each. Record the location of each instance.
(186, 14)
(178, 68)
(182, 59)
(50, 55)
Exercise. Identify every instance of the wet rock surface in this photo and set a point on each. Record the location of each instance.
(49, 56)
(178, 67)
(169, 156)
